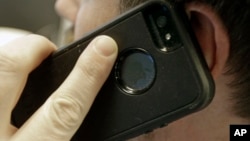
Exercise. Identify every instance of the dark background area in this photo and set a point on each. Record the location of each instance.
(37, 16)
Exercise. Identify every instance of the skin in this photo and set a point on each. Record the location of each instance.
(73, 101)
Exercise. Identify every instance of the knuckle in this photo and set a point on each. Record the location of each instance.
(9, 63)
(40, 40)
(65, 112)
(59, 5)
(37, 37)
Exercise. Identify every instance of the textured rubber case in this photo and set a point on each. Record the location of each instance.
(174, 80)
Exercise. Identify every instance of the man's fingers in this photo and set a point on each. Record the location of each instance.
(64, 111)
(17, 60)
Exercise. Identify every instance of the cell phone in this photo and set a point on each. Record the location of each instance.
(160, 75)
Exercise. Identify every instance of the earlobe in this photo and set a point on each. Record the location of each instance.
(211, 35)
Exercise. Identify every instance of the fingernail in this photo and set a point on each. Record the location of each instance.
(105, 45)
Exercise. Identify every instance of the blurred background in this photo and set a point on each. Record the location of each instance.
(36, 16)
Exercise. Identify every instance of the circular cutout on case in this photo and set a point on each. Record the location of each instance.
(135, 71)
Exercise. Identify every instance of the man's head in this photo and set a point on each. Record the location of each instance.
(221, 27)
(235, 16)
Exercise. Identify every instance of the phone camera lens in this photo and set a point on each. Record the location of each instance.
(161, 21)
(168, 37)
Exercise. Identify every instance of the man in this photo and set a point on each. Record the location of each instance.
(222, 30)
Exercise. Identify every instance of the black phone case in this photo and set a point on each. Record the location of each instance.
(176, 83)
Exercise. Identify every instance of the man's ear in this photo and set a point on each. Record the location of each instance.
(211, 35)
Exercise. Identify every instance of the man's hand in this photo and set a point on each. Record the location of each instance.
(62, 114)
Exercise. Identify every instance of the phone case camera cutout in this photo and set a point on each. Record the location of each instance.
(160, 75)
